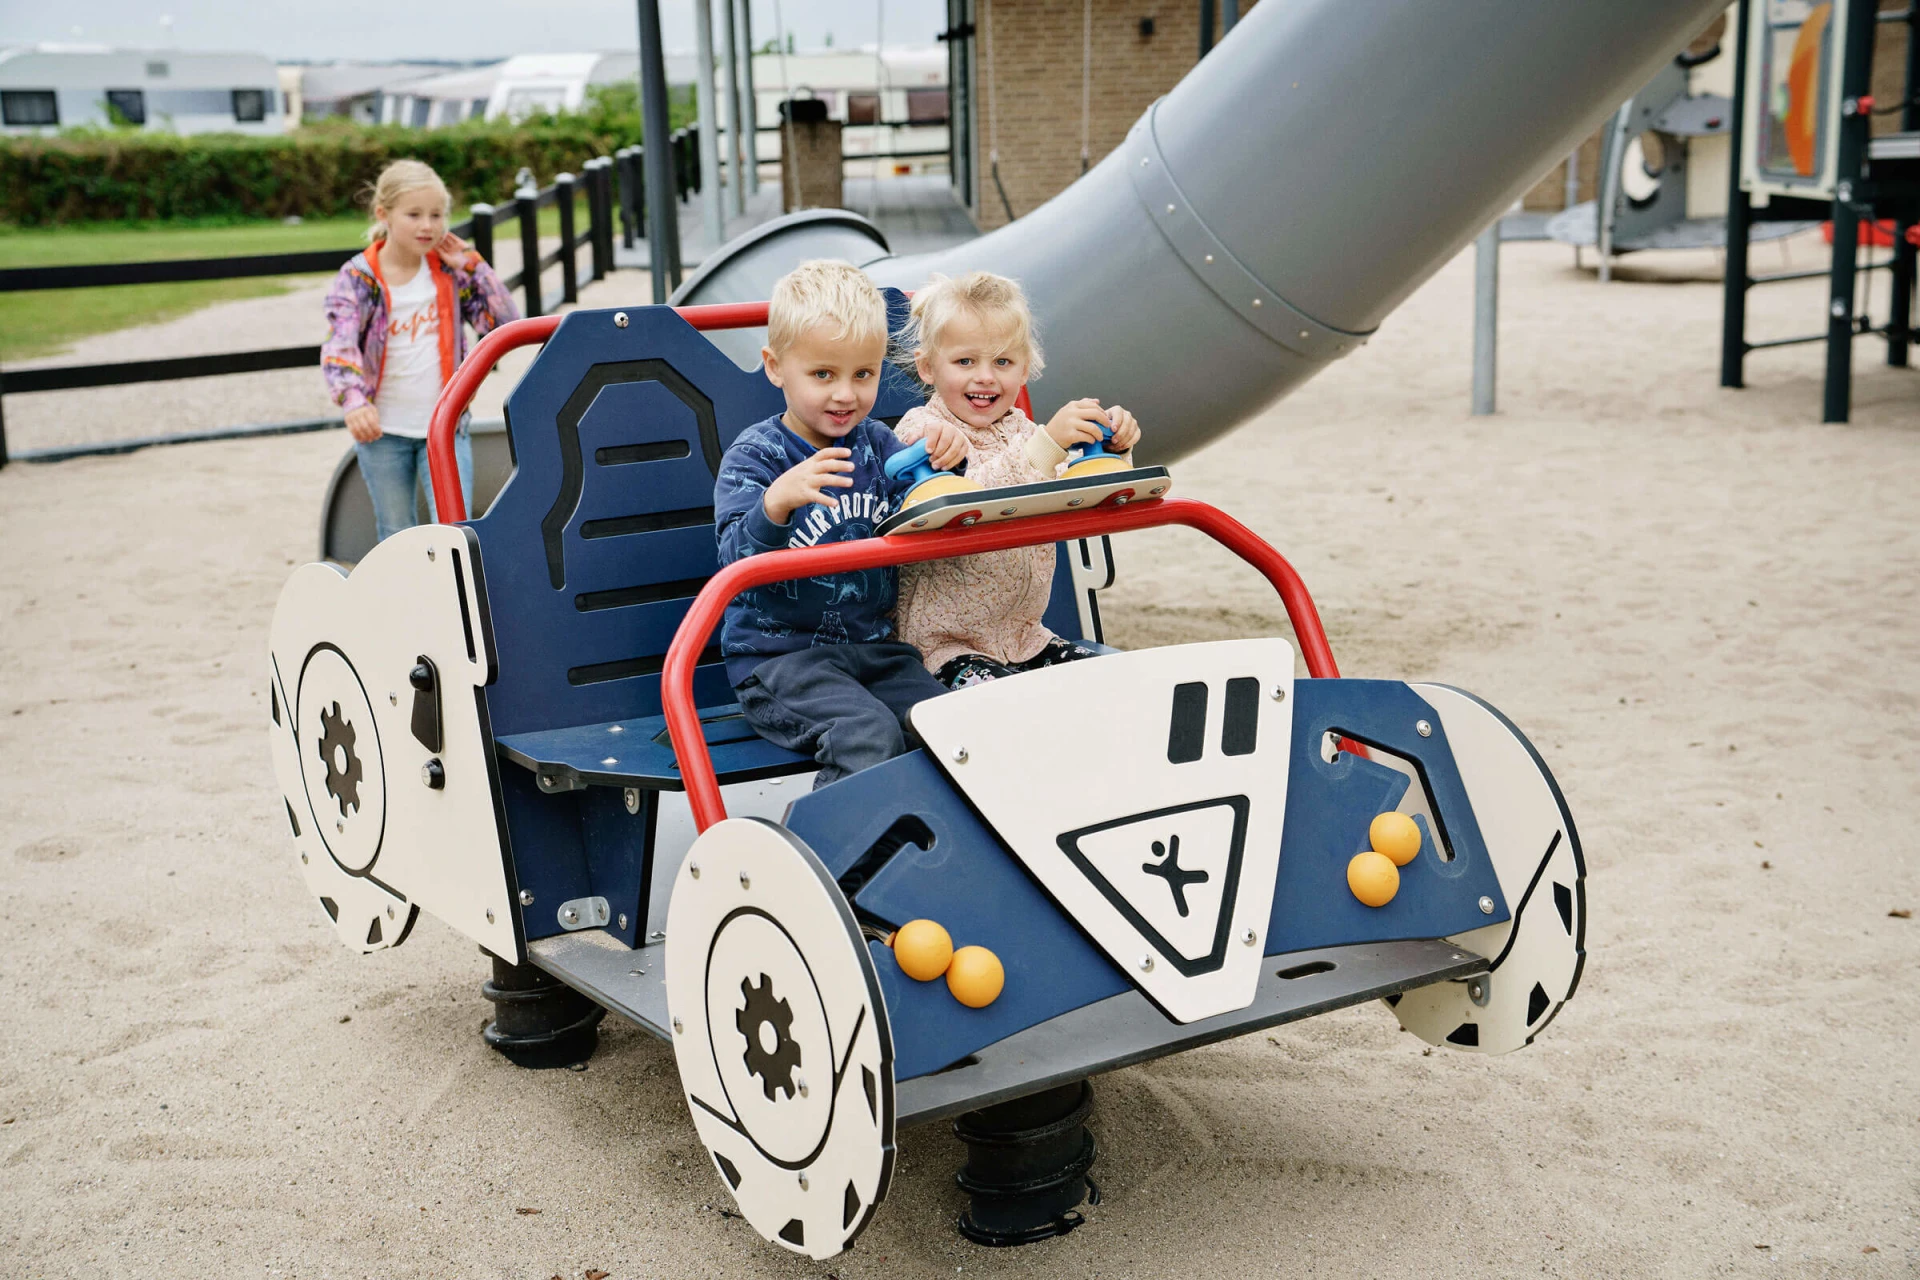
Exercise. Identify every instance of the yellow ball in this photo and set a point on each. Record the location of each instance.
(1395, 835)
(1373, 878)
(975, 977)
(922, 949)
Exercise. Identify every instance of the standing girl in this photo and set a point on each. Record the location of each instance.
(396, 334)
(978, 617)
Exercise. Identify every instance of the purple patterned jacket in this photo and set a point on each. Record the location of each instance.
(357, 311)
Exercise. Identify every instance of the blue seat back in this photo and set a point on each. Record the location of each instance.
(604, 533)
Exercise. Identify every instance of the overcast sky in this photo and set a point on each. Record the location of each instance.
(379, 29)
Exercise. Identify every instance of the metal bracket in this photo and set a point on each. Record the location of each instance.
(1207, 257)
(582, 913)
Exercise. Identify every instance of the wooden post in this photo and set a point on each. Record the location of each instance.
(528, 202)
(569, 262)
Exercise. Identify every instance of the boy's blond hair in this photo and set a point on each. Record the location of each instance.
(996, 301)
(837, 295)
(396, 181)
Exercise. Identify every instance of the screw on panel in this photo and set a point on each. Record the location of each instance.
(1209, 258)
(693, 869)
(616, 728)
(1169, 208)
(677, 1028)
(1074, 502)
(744, 882)
(633, 799)
(303, 859)
(489, 915)
(803, 1179)
(394, 698)
(623, 920)
(571, 916)
(1256, 302)
(1422, 728)
(803, 1086)
(611, 760)
(1839, 307)
(1486, 906)
(526, 897)
(1144, 964)
(1304, 334)
(959, 755)
(389, 913)
(1279, 693)
(1007, 511)
(339, 825)
(619, 319)
(1249, 937)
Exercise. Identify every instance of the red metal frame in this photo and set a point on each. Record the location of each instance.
(676, 678)
(448, 502)
(676, 682)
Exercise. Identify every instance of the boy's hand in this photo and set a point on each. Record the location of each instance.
(1078, 422)
(946, 446)
(1126, 429)
(814, 480)
(452, 250)
(363, 424)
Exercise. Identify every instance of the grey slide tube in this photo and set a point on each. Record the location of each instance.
(1259, 221)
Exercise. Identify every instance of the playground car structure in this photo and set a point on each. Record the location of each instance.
(519, 724)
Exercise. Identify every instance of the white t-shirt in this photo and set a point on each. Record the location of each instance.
(410, 382)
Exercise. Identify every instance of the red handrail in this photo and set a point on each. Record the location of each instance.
(449, 503)
(676, 681)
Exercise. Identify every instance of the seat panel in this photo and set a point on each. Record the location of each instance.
(638, 753)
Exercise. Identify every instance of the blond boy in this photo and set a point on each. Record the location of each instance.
(814, 661)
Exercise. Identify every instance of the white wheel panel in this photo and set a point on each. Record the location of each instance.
(376, 841)
(1537, 954)
(781, 1036)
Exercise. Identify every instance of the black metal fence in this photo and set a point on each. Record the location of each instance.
(596, 178)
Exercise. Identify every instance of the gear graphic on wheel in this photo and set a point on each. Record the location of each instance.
(761, 1013)
(336, 739)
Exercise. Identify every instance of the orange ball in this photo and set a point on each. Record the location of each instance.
(1395, 835)
(922, 949)
(975, 977)
(1373, 878)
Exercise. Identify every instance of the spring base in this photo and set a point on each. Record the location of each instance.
(1026, 1169)
(539, 1021)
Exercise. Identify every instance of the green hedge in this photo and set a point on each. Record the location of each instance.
(124, 176)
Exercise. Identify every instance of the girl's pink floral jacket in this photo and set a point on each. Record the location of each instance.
(357, 309)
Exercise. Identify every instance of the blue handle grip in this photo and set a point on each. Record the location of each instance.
(911, 462)
(1094, 448)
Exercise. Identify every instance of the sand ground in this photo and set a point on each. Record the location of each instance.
(1701, 604)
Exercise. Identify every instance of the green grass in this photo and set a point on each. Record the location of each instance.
(43, 323)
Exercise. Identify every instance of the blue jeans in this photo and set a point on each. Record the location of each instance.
(394, 466)
(843, 704)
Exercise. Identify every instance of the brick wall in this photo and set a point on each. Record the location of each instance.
(1037, 61)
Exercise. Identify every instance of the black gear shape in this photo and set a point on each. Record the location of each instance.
(775, 1069)
(336, 733)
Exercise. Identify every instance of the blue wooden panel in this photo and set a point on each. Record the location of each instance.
(642, 755)
(597, 386)
(1329, 806)
(974, 887)
(968, 882)
(1063, 602)
(544, 841)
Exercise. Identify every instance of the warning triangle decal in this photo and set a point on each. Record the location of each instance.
(1173, 874)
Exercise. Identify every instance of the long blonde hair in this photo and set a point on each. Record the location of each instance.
(396, 181)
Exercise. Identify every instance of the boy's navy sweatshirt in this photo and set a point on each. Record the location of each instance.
(785, 617)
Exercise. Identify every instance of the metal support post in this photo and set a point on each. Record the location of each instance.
(569, 266)
(1854, 126)
(737, 134)
(1733, 303)
(527, 200)
(663, 224)
(1486, 316)
(1206, 27)
(749, 105)
(1027, 1163)
(703, 87)
(1905, 256)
